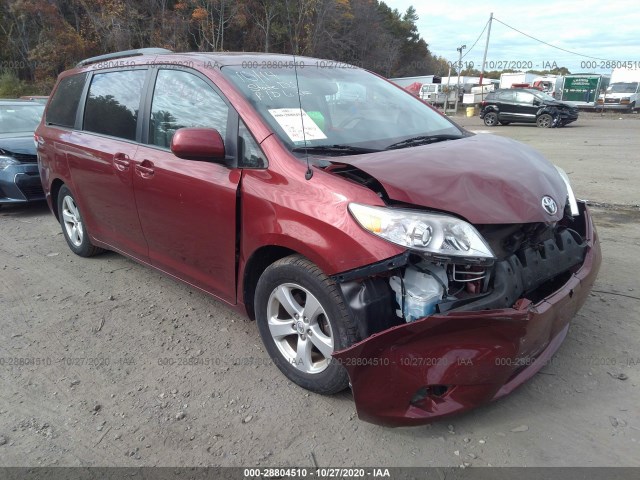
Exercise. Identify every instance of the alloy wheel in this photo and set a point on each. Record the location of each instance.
(300, 328)
(72, 221)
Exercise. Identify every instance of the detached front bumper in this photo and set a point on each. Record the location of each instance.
(448, 363)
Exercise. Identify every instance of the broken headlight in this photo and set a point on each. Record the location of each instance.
(434, 234)
(571, 198)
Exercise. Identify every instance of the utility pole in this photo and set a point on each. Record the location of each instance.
(484, 57)
(459, 70)
(446, 99)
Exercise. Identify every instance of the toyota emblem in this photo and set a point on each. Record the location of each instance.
(549, 205)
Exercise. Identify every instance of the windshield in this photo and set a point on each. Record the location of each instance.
(338, 105)
(623, 87)
(20, 118)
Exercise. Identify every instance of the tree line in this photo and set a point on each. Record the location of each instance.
(41, 38)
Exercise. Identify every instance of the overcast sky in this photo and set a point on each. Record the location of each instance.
(605, 29)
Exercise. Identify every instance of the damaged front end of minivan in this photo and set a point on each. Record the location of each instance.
(445, 330)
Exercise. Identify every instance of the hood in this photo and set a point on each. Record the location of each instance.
(484, 178)
(18, 144)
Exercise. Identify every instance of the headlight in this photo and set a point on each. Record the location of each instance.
(6, 161)
(571, 198)
(431, 233)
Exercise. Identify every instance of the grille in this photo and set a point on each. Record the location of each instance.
(32, 191)
(23, 157)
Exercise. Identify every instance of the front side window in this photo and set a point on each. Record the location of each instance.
(180, 100)
(64, 104)
(505, 96)
(113, 103)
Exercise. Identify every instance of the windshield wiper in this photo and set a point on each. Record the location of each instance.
(335, 149)
(422, 140)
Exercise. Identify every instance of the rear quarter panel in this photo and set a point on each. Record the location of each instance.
(52, 159)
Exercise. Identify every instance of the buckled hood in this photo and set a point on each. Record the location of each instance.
(484, 178)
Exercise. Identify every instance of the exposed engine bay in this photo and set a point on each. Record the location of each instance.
(532, 261)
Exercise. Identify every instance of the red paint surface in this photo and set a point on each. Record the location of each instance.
(197, 144)
(483, 178)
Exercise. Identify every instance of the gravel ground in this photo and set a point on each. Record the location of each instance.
(106, 362)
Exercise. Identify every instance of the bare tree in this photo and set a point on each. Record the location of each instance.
(212, 18)
(265, 13)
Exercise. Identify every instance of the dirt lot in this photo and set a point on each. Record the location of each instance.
(98, 337)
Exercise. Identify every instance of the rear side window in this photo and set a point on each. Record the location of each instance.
(524, 97)
(506, 96)
(180, 100)
(113, 103)
(64, 103)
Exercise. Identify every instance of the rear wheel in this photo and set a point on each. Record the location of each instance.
(544, 121)
(302, 320)
(73, 228)
(491, 119)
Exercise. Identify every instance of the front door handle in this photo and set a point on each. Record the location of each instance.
(145, 169)
(121, 161)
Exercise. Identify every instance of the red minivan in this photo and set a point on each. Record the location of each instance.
(377, 244)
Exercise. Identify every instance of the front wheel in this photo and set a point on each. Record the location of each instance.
(73, 228)
(544, 121)
(302, 320)
(491, 119)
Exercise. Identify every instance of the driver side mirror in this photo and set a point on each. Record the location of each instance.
(202, 144)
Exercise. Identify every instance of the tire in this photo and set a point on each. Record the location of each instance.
(491, 119)
(296, 281)
(73, 229)
(544, 121)
(502, 122)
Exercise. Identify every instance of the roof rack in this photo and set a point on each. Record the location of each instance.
(124, 53)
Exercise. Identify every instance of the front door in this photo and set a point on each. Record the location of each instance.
(187, 208)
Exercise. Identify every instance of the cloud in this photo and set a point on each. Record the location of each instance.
(606, 30)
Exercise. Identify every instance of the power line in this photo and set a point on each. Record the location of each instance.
(477, 39)
(548, 44)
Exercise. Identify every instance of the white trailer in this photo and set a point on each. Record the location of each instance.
(509, 79)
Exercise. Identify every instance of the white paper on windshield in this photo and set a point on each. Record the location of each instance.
(291, 121)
